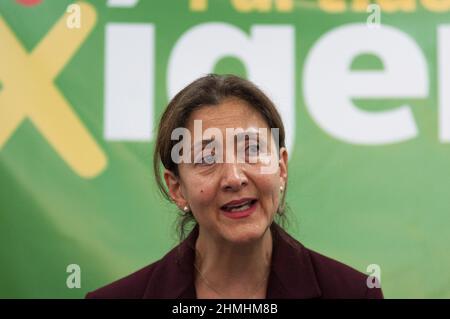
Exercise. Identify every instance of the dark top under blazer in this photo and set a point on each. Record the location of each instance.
(296, 272)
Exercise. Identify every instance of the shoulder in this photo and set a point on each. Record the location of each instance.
(306, 272)
(337, 280)
(132, 286)
(169, 277)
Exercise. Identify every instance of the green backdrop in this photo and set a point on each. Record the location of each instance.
(385, 204)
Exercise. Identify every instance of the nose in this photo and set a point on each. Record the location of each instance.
(233, 178)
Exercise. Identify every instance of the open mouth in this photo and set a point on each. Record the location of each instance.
(239, 207)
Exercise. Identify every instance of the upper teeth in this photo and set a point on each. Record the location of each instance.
(238, 208)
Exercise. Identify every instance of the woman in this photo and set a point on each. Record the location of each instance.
(232, 187)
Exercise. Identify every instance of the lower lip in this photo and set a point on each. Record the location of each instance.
(240, 214)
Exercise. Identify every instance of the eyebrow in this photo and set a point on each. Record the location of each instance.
(202, 142)
(250, 133)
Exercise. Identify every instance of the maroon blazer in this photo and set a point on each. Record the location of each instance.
(296, 272)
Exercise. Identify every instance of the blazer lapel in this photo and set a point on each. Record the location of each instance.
(292, 273)
(173, 276)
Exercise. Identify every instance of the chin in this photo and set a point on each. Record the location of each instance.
(245, 234)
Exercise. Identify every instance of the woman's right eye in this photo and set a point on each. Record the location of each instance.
(208, 159)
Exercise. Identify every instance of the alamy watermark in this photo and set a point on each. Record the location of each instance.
(73, 20)
(74, 279)
(253, 146)
(374, 18)
(374, 278)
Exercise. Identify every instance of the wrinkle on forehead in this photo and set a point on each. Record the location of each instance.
(231, 113)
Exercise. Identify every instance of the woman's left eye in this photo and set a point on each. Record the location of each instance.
(253, 149)
(209, 159)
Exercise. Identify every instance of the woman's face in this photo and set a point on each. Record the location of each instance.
(233, 200)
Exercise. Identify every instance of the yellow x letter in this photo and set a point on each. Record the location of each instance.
(29, 92)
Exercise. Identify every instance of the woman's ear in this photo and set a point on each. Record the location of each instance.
(174, 187)
(283, 162)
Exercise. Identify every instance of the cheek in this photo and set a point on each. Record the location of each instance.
(268, 187)
(201, 193)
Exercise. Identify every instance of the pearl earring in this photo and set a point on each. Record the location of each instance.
(281, 188)
(186, 209)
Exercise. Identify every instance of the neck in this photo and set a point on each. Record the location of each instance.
(233, 267)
